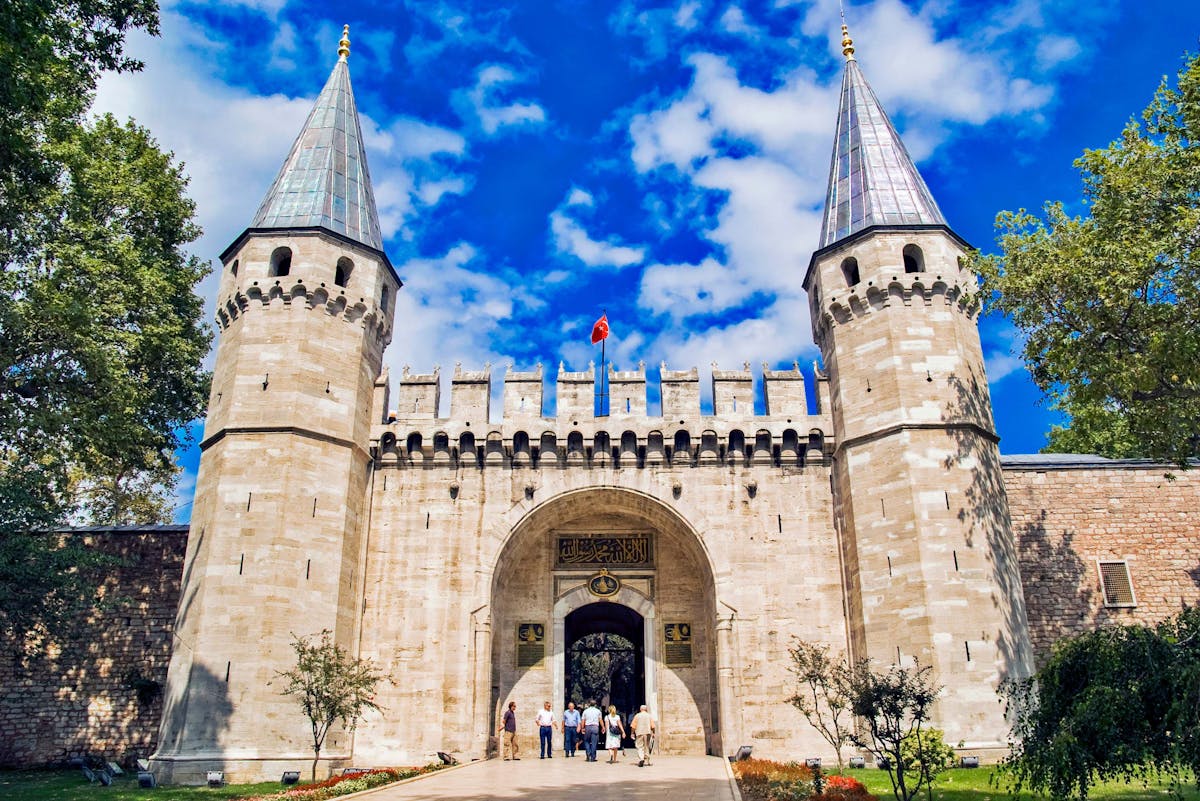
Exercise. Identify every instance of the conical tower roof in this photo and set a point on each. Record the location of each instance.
(872, 179)
(324, 182)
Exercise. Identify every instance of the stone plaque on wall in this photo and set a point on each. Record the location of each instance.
(609, 550)
(677, 643)
(531, 644)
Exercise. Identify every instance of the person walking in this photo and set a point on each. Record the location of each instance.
(508, 730)
(570, 729)
(616, 732)
(546, 725)
(643, 727)
(590, 723)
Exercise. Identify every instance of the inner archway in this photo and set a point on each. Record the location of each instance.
(605, 660)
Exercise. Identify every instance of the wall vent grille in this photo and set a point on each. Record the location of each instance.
(1118, 588)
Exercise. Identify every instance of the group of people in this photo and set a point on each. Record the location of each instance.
(584, 726)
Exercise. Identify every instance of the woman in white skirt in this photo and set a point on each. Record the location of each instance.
(616, 732)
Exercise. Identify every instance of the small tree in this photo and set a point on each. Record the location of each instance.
(926, 756)
(893, 706)
(823, 693)
(331, 685)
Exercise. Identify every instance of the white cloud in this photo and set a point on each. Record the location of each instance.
(1000, 365)
(1053, 51)
(440, 26)
(483, 104)
(283, 48)
(269, 7)
(452, 308)
(686, 290)
(686, 16)
(570, 238)
(769, 214)
(579, 197)
(733, 20)
(678, 134)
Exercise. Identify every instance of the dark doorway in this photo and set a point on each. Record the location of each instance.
(605, 659)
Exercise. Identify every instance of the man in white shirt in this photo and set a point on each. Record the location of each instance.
(590, 722)
(546, 726)
(643, 727)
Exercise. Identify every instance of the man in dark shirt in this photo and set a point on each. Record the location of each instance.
(508, 730)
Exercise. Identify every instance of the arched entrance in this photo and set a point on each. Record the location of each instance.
(608, 590)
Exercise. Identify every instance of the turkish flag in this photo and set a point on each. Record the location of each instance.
(600, 329)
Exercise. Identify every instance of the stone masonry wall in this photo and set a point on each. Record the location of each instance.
(82, 696)
(1067, 519)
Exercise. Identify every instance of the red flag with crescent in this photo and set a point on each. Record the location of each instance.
(600, 329)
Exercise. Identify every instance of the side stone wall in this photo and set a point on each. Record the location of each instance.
(1066, 519)
(100, 694)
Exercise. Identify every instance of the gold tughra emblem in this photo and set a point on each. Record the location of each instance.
(603, 585)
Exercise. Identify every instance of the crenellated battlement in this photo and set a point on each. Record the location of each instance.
(785, 435)
(295, 294)
(861, 300)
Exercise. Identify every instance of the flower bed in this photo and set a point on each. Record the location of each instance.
(764, 780)
(336, 786)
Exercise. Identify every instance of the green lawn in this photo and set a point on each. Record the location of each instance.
(69, 785)
(975, 785)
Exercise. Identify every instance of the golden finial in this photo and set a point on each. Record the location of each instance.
(344, 44)
(847, 44)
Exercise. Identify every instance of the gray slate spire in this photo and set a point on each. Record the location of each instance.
(872, 179)
(324, 181)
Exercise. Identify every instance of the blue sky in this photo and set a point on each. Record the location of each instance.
(537, 161)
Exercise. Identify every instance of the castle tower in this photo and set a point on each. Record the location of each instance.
(278, 525)
(931, 570)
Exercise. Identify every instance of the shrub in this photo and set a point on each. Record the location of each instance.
(336, 786)
(774, 781)
(926, 754)
(843, 788)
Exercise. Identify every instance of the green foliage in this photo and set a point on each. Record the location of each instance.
(101, 343)
(822, 696)
(51, 56)
(893, 705)
(601, 666)
(331, 686)
(926, 755)
(1117, 704)
(1109, 302)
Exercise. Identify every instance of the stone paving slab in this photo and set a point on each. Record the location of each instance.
(668, 778)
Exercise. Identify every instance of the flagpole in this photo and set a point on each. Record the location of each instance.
(603, 375)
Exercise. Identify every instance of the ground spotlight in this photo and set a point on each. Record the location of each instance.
(290, 777)
(146, 779)
(215, 778)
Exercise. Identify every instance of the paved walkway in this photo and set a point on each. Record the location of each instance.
(669, 778)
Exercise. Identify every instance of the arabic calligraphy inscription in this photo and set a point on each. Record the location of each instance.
(609, 550)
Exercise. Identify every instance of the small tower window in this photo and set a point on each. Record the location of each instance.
(234, 267)
(383, 299)
(341, 273)
(914, 259)
(281, 262)
(850, 271)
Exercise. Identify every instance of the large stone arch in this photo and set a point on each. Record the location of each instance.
(531, 586)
